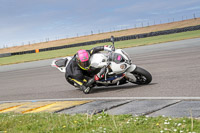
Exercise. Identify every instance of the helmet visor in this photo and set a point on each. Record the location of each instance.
(84, 65)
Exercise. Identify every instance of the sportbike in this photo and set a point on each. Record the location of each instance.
(119, 68)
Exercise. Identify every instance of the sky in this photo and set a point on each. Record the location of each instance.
(32, 21)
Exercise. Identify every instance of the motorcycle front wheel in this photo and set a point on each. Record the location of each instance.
(142, 76)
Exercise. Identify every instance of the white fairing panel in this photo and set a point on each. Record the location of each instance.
(129, 75)
(62, 69)
(131, 68)
(116, 68)
(98, 60)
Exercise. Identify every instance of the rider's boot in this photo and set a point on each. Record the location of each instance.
(90, 82)
(85, 89)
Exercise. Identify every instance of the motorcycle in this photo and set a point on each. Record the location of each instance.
(119, 68)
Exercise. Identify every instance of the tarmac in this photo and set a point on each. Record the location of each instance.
(173, 93)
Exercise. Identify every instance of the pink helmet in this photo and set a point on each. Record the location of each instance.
(82, 59)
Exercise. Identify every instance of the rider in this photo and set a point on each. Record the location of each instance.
(79, 67)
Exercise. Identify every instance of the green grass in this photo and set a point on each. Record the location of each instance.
(100, 123)
(121, 44)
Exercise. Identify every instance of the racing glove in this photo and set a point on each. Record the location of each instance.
(100, 74)
(96, 77)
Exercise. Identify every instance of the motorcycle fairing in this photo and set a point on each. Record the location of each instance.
(61, 63)
(116, 57)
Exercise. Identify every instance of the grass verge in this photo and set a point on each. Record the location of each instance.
(100, 123)
(121, 44)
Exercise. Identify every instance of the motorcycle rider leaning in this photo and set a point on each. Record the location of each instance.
(79, 67)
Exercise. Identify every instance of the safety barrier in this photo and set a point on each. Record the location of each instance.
(122, 38)
(5, 55)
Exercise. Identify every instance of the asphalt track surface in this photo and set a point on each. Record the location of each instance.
(175, 68)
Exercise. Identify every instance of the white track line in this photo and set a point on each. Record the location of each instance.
(109, 98)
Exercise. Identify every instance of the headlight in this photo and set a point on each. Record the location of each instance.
(123, 66)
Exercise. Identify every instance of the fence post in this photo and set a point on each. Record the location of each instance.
(194, 16)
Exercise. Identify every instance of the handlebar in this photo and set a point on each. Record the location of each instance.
(113, 42)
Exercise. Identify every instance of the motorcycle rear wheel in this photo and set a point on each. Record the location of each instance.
(142, 76)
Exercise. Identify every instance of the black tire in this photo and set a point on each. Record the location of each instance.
(143, 77)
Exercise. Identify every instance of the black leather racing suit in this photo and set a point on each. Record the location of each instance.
(75, 75)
